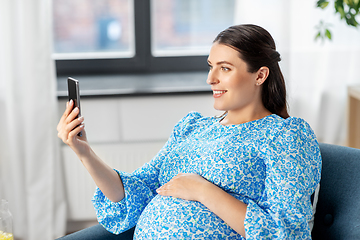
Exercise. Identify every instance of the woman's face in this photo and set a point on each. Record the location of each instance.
(234, 88)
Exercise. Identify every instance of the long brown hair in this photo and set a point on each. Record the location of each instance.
(257, 48)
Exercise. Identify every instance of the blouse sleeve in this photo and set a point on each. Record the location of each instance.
(140, 187)
(293, 170)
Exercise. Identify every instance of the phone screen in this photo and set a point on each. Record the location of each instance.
(74, 94)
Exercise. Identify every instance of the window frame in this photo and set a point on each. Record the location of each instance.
(142, 62)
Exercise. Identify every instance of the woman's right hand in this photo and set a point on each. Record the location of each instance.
(69, 127)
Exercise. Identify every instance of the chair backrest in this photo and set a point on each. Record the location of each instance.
(338, 209)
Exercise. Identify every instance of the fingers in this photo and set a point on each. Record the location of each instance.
(172, 187)
(73, 124)
(172, 183)
(187, 186)
(165, 190)
(69, 125)
(69, 107)
(74, 133)
(73, 114)
(70, 133)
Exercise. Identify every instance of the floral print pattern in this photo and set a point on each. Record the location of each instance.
(271, 164)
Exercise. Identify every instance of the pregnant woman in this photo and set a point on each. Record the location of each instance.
(246, 174)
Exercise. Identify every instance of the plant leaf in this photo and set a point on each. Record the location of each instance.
(328, 34)
(350, 20)
(322, 4)
(339, 7)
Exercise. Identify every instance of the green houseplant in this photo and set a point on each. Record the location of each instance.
(348, 11)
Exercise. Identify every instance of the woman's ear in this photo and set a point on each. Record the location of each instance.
(262, 75)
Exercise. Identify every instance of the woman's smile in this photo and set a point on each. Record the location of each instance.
(218, 93)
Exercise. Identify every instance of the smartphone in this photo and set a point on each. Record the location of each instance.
(74, 94)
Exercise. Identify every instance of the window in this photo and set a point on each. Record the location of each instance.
(188, 27)
(94, 29)
(136, 36)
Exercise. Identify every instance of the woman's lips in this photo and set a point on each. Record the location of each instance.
(218, 93)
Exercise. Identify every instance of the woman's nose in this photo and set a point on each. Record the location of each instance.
(212, 79)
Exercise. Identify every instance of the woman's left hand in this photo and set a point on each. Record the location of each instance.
(188, 186)
(191, 186)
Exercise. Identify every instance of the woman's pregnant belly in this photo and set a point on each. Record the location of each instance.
(174, 218)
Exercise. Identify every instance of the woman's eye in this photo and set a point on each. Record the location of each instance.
(225, 69)
(210, 67)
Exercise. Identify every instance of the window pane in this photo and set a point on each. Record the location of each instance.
(188, 27)
(93, 29)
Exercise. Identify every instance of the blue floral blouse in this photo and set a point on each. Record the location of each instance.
(271, 164)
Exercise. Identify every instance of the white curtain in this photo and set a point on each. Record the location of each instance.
(30, 171)
(317, 73)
